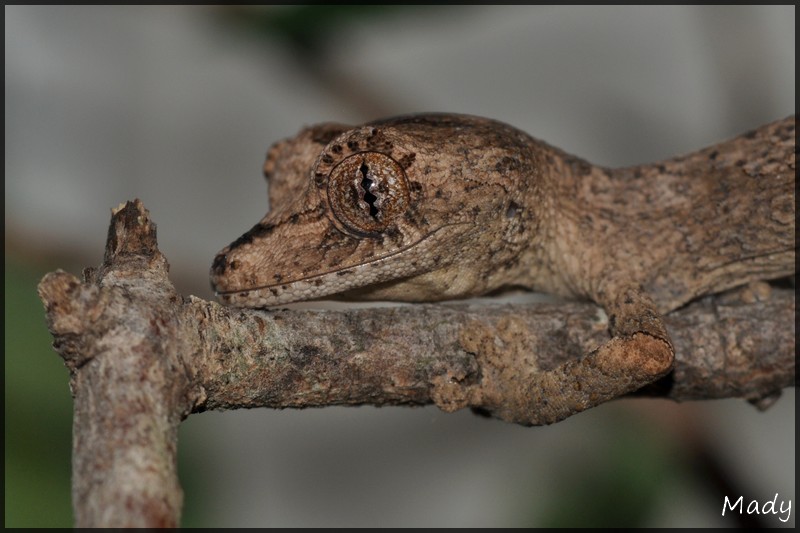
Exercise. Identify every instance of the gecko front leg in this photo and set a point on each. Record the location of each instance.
(639, 353)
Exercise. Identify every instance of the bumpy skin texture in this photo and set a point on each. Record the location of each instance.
(440, 206)
(492, 207)
(464, 233)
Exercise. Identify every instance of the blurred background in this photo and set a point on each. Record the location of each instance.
(177, 105)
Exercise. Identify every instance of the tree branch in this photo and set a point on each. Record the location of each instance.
(142, 358)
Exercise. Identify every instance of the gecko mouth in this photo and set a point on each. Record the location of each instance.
(384, 268)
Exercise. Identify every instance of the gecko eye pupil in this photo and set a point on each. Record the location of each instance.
(367, 192)
(370, 198)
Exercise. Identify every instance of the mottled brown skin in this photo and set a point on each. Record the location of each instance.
(686, 227)
(464, 233)
(485, 206)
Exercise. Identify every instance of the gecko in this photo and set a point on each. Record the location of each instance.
(432, 207)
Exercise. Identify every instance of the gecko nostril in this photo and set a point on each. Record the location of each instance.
(366, 184)
(512, 210)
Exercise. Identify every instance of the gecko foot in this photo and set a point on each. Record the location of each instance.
(619, 367)
(639, 353)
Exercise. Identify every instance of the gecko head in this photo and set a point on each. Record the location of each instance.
(392, 210)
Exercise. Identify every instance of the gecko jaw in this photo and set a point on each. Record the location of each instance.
(336, 281)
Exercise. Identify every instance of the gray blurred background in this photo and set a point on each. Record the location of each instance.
(177, 105)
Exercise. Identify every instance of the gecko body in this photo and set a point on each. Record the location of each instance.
(441, 206)
(462, 206)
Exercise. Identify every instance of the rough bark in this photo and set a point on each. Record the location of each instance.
(142, 358)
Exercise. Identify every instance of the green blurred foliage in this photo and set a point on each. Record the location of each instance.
(303, 23)
(306, 28)
(38, 410)
(622, 490)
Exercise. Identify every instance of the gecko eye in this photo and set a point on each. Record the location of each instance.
(367, 192)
